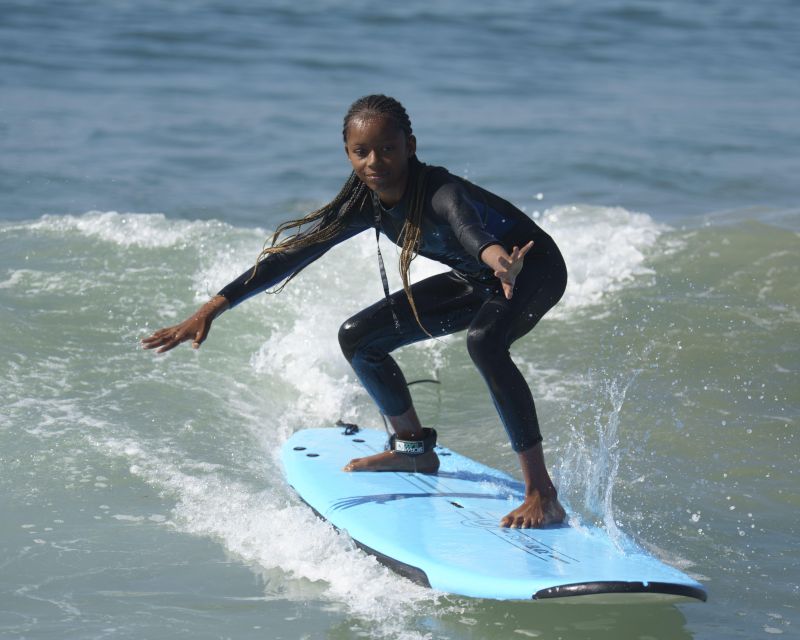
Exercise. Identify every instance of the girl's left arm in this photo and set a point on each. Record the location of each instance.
(457, 207)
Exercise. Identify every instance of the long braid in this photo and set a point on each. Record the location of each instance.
(412, 238)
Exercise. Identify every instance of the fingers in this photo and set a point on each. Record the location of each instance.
(517, 255)
(195, 329)
(522, 252)
(158, 338)
(507, 265)
(200, 337)
(506, 282)
(154, 337)
(512, 265)
(165, 339)
(168, 343)
(510, 268)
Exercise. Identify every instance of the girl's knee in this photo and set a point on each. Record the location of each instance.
(359, 339)
(350, 336)
(483, 346)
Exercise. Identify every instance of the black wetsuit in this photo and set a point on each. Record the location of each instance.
(459, 221)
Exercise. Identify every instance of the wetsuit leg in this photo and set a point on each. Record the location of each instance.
(446, 304)
(500, 322)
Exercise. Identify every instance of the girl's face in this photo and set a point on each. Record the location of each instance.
(379, 152)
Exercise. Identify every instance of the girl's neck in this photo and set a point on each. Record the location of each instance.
(390, 200)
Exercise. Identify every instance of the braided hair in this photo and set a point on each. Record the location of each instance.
(328, 220)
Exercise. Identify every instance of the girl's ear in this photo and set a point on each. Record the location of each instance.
(412, 145)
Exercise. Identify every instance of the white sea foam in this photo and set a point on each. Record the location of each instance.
(32, 282)
(147, 230)
(605, 248)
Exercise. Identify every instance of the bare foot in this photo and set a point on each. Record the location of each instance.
(391, 461)
(535, 511)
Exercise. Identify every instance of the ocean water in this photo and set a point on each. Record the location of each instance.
(147, 149)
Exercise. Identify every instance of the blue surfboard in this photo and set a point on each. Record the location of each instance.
(442, 530)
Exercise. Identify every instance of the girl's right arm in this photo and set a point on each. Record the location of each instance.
(268, 272)
(279, 266)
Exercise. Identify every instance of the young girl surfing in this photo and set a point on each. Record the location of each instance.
(506, 273)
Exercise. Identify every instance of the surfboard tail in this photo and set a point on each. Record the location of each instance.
(612, 588)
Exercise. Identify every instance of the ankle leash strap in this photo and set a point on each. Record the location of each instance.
(413, 447)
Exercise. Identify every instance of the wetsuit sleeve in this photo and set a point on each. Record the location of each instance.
(278, 266)
(452, 203)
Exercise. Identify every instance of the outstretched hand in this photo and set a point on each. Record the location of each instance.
(194, 328)
(509, 267)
